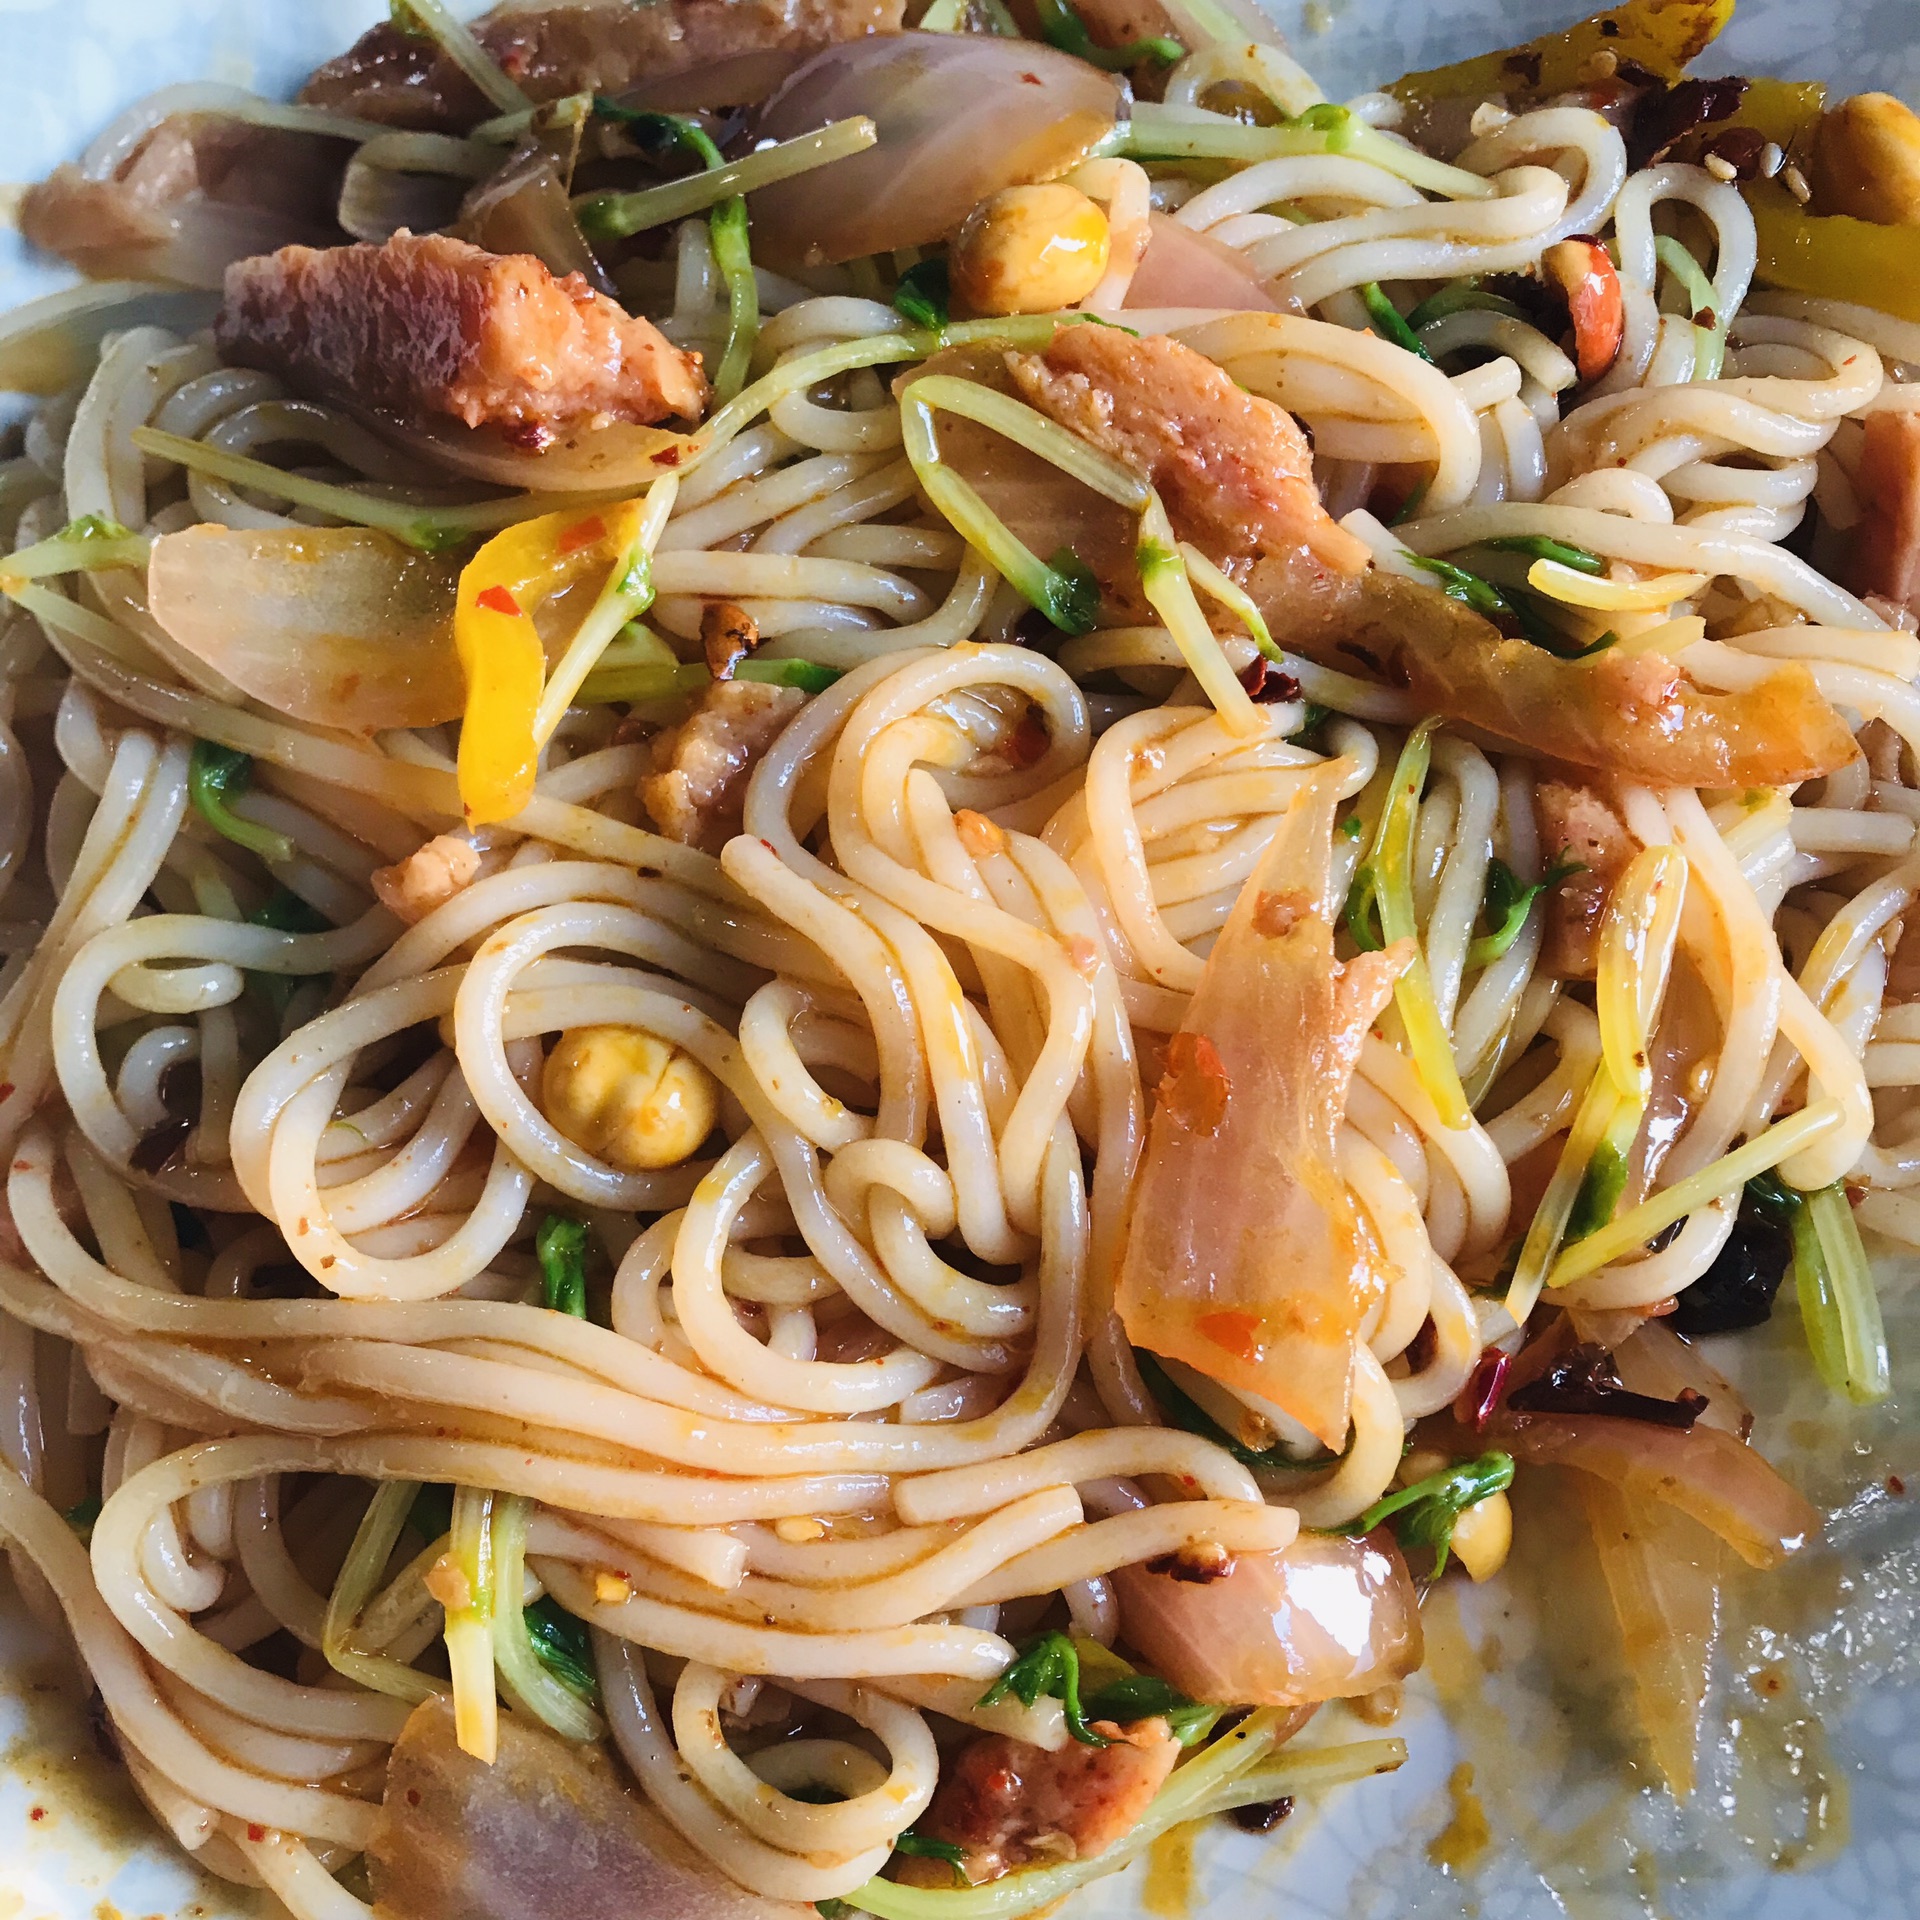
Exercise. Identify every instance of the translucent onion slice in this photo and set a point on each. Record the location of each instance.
(342, 626)
(959, 116)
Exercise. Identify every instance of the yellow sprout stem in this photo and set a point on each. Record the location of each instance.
(476, 1704)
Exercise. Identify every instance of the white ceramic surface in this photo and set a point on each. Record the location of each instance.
(1818, 1720)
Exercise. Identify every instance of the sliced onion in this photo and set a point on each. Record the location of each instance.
(524, 209)
(1324, 1619)
(51, 344)
(1704, 1472)
(411, 180)
(743, 81)
(1663, 1573)
(960, 116)
(341, 626)
(603, 459)
(546, 1829)
(1181, 268)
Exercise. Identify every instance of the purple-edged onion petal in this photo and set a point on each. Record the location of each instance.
(960, 116)
(1324, 1619)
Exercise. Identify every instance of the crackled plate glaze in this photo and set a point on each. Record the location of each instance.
(1809, 1801)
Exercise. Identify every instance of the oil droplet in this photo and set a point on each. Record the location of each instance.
(1168, 1893)
(1460, 1845)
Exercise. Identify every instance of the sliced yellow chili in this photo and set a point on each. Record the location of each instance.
(1660, 35)
(500, 647)
(1833, 256)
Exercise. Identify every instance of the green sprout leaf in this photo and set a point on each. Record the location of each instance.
(1537, 546)
(1145, 1696)
(1363, 909)
(1073, 593)
(923, 1846)
(1051, 1665)
(560, 1643)
(561, 1248)
(215, 776)
(1424, 1514)
(1388, 323)
(1508, 903)
(924, 295)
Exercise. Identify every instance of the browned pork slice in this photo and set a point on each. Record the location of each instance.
(427, 326)
(1235, 470)
(1578, 825)
(1007, 1804)
(1886, 544)
(598, 46)
(548, 1829)
(698, 786)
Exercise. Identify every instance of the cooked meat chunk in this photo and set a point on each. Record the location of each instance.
(432, 326)
(1235, 470)
(1008, 1803)
(427, 878)
(1576, 823)
(200, 191)
(599, 46)
(1886, 544)
(698, 786)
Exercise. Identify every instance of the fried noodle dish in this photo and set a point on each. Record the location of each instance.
(877, 879)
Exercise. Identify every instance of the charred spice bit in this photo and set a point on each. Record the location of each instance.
(1199, 1564)
(1583, 1380)
(1263, 1816)
(728, 634)
(1267, 684)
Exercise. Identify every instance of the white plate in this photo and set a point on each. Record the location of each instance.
(1819, 1676)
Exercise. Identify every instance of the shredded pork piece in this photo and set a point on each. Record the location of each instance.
(1579, 824)
(1007, 1803)
(425, 325)
(1235, 471)
(728, 634)
(427, 878)
(1886, 544)
(404, 80)
(698, 786)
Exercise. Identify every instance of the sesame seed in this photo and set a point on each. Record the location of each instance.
(1604, 64)
(1488, 117)
(1795, 183)
(1771, 159)
(1721, 169)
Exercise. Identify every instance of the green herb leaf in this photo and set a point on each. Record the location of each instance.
(660, 136)
(1312, 718)
(1773, 1199)
(923, 1846)
(1352, 826)
(1537, 546)
(1425, 1513)
(561, 1248)
(560, 1643)
(1051, 1665)
(1073, 593)
(924, 295)
(1457, 297)
(1388, 323)
(1601, 1186)
(1508, 903)
(832, 1909)
(1363, 909)
(1186, 1413)
(214, 775)
(1145, 1696)
(1458, 584)
(1064, 28)
(82, 1516)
